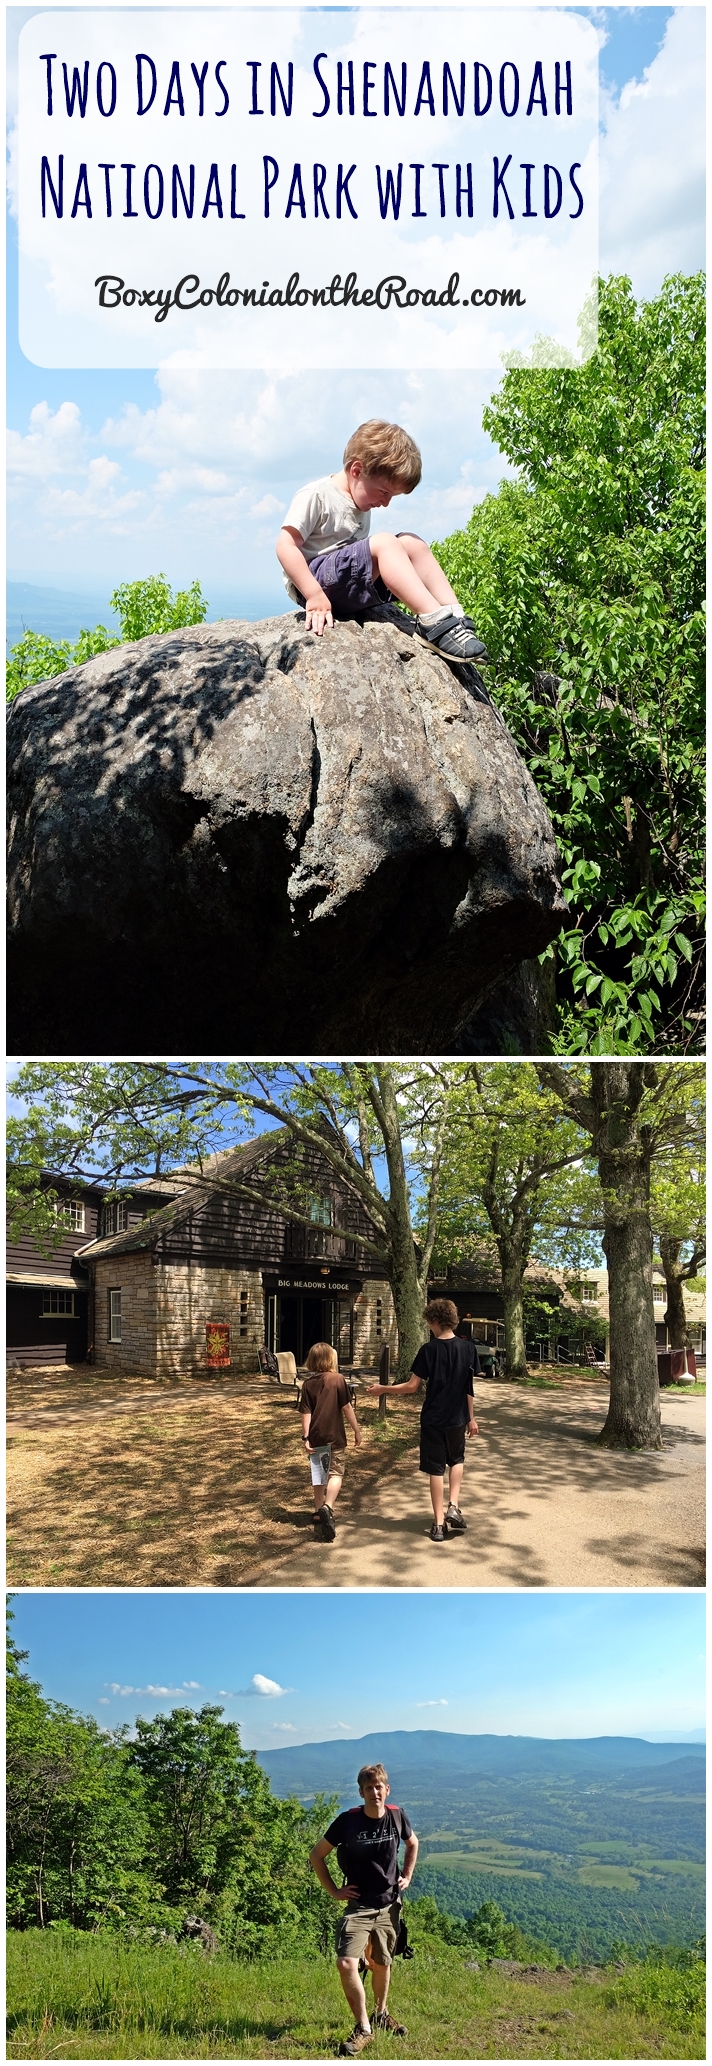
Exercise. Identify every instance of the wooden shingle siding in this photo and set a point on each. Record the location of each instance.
(36, 1338)
(222, 1229)
(24, 1256)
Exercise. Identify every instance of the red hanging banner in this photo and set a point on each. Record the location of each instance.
(217, 1343)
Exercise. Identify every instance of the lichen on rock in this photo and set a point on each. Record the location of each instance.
(240, 837)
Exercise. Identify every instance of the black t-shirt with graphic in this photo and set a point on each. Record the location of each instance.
(367, 1850)
(447, 1367)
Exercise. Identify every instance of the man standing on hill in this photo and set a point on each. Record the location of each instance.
(447, 1366)
(367, 1842)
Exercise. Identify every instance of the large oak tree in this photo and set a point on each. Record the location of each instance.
(633, 1113)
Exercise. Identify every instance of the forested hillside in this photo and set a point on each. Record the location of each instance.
(584, 1841)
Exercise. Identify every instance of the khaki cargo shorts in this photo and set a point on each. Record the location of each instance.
(380, 1924)
(325, 1461)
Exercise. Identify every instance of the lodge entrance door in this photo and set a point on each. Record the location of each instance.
(296, 1319)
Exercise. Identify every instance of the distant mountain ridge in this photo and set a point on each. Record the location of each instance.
(437, 1756)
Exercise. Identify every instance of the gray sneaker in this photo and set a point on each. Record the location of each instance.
(455, 1520)
(454, 637)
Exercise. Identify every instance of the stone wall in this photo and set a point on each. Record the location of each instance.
(374, 1322)
(134, 1276)
(165, 1308)
(187, 1298)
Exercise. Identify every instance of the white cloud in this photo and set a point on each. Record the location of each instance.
(431, 1703)
(55, 443)
(265, 1689)
(653, 162)
(341, 1725)
(288, 1728)
(269, 506)
(188, 1686)
(197, 482)
(103, 1701)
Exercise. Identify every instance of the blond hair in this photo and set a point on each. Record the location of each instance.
(385, 448)
(321, 1358)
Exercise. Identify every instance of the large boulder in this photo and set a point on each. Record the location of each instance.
(241, 838)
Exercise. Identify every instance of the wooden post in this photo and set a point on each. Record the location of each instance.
(384, 1378)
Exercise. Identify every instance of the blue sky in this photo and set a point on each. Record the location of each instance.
(115, 475)
(341, 1665)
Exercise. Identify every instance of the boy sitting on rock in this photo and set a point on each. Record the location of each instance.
(335, 569)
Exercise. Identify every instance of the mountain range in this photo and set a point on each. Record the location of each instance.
(436, 1760)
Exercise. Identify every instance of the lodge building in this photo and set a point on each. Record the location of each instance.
(184, 1275)
(187, 1275)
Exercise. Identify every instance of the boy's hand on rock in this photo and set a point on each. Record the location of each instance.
(319, 614)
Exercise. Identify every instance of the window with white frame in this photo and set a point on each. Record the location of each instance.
(115, 1315)
(56, 1302)
(659, 1294)
(122, 1218)
(589, 1294)
(71, 1212)
(320, 1211)
(115, 1217)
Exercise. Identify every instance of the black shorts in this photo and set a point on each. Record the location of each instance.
(441, 1446)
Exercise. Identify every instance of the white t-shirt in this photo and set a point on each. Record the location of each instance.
(324, 517)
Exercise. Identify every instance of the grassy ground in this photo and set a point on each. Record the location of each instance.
(199, 1484)
(92, 1998)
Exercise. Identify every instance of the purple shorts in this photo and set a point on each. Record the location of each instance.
(347, 577)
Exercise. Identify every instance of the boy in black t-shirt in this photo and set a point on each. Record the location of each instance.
(447, 1366)
(367, 1842)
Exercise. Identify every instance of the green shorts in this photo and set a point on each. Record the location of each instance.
(358, 1924)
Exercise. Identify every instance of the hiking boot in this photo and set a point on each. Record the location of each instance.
(382, 2021)
(356, 2043)
(438, 1534)
(328, 1524)
(454, 637)
(455, 1522)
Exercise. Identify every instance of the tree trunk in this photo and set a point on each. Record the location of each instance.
(408, 1300)
(406, 1286)
(675, 1317)
(633, 1419)
(513, 1300)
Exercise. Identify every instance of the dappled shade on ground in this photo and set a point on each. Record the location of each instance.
(136, 1483)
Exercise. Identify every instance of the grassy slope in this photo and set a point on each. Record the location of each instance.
(73, 1997)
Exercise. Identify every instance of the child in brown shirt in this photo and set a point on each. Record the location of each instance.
(325, 1406)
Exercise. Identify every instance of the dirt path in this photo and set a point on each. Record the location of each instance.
(126, 1482)
(544, 1507)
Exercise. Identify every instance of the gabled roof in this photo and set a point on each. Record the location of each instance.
(193, 1186)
